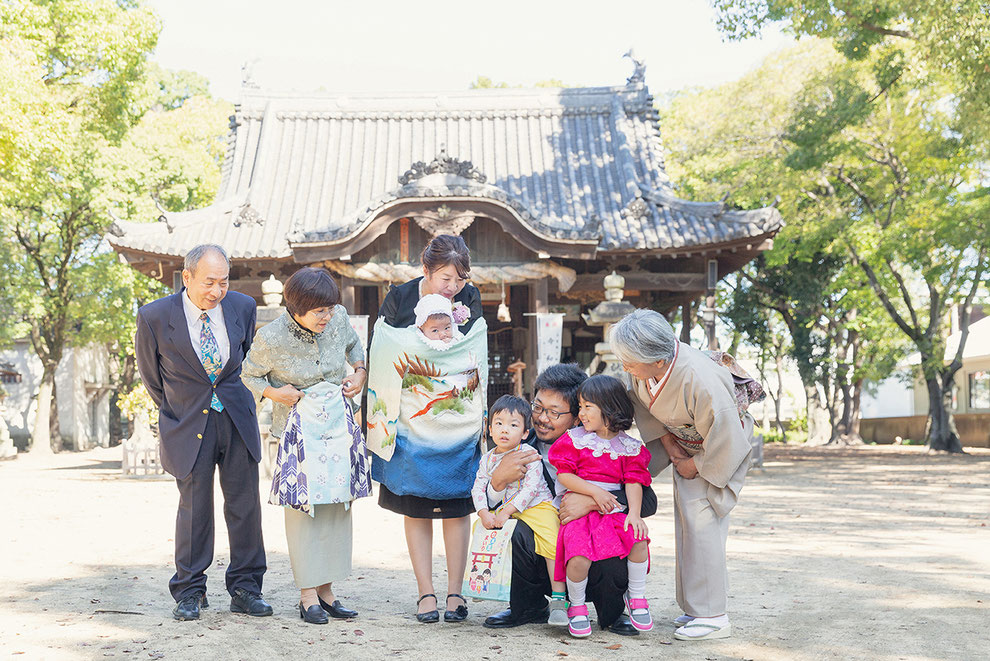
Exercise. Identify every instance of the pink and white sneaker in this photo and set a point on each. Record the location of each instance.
(578, 623)
(639, 613)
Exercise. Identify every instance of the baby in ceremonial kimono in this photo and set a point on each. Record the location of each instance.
(528, 500)
(437, 321)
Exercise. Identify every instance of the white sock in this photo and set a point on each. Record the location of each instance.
(637, 579)
(575, 591)
(719, 621)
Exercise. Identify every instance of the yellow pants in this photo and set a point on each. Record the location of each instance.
(544, 522)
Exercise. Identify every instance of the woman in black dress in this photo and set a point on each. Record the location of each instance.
(446, 267)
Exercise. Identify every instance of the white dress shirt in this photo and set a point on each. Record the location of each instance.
(195, 326)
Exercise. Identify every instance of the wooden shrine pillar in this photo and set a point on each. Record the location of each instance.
(686, 323)
(347, 294)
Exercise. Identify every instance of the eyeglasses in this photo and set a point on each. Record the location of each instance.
(551, 415)
(321, 314)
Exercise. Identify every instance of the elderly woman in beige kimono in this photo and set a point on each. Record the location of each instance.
(688, 412)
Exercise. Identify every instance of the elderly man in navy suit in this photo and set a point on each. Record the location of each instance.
(189, 350)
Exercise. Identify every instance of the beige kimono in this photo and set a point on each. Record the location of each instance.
(696, 402)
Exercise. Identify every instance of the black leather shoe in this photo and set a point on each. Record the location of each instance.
(623, 626)
(337, 610)
(429, 617)
(313, 615)
(246, 602)
(460, 613)
(506, 618)
(188, 608)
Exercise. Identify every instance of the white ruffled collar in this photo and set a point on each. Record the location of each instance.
(622, 445)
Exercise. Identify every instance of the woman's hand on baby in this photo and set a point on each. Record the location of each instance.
(487, 519)
(354, 383)
(605, 501)
(286, 395)
(640, 531)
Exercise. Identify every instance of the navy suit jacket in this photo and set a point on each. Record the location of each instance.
(178, 383)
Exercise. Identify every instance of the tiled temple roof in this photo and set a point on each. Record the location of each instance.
(578, 164)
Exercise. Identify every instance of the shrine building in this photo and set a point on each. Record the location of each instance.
(552, 189)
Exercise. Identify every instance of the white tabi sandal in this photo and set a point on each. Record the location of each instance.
(702, 631)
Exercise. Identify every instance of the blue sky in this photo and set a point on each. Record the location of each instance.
(444, 45)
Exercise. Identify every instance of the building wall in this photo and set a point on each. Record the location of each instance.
(83, 396)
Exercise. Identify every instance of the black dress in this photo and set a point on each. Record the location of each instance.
(398, 309)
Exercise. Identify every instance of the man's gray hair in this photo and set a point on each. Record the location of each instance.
(200, 251)
(643, 336)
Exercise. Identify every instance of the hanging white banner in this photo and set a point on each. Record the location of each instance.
(549, 329)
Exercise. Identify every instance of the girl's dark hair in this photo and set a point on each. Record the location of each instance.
(445, 250)
(310, 288)
(512, 404)
(608, 394)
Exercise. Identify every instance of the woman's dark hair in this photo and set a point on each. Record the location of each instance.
(512, 404)
(445, 250)
(310, 288)
(608, 394)
(565, 379)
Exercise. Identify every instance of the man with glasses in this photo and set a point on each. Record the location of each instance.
(555, 407)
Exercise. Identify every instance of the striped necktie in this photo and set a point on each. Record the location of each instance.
(209, 354)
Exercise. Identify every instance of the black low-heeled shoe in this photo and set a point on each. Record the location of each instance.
(337, 610)
(313, 615)
(429, 617)
(460, 613)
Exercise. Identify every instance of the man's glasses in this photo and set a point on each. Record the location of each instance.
(551, 414)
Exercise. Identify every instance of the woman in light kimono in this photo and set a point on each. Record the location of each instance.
(299, 361)
(688, 401)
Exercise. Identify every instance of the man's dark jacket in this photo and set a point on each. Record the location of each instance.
(178, 383)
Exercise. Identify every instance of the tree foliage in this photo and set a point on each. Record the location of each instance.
(874, 179)
(89, 129)
(925, 40)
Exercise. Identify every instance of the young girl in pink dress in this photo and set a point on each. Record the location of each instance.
(595, 459)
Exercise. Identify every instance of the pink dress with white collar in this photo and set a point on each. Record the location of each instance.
(609, 464)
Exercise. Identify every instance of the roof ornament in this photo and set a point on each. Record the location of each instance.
(638, 77)
(163, 218)
(636, 210)
(248, 215)
(115, 228)
(247, 74)
(442, 164)
(444, 221)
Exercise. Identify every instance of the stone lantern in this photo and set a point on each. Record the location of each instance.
(606, 313)
(271, 292)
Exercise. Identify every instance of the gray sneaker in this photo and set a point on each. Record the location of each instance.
(639, 613)
(558, 612)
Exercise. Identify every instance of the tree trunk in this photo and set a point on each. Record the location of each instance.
(41, 439)
(819, 428)
(778, 398)
(941, 433)
(54, 431)
(846, 429)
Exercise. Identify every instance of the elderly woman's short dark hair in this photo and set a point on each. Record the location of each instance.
(643, 336)
(308, 289)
